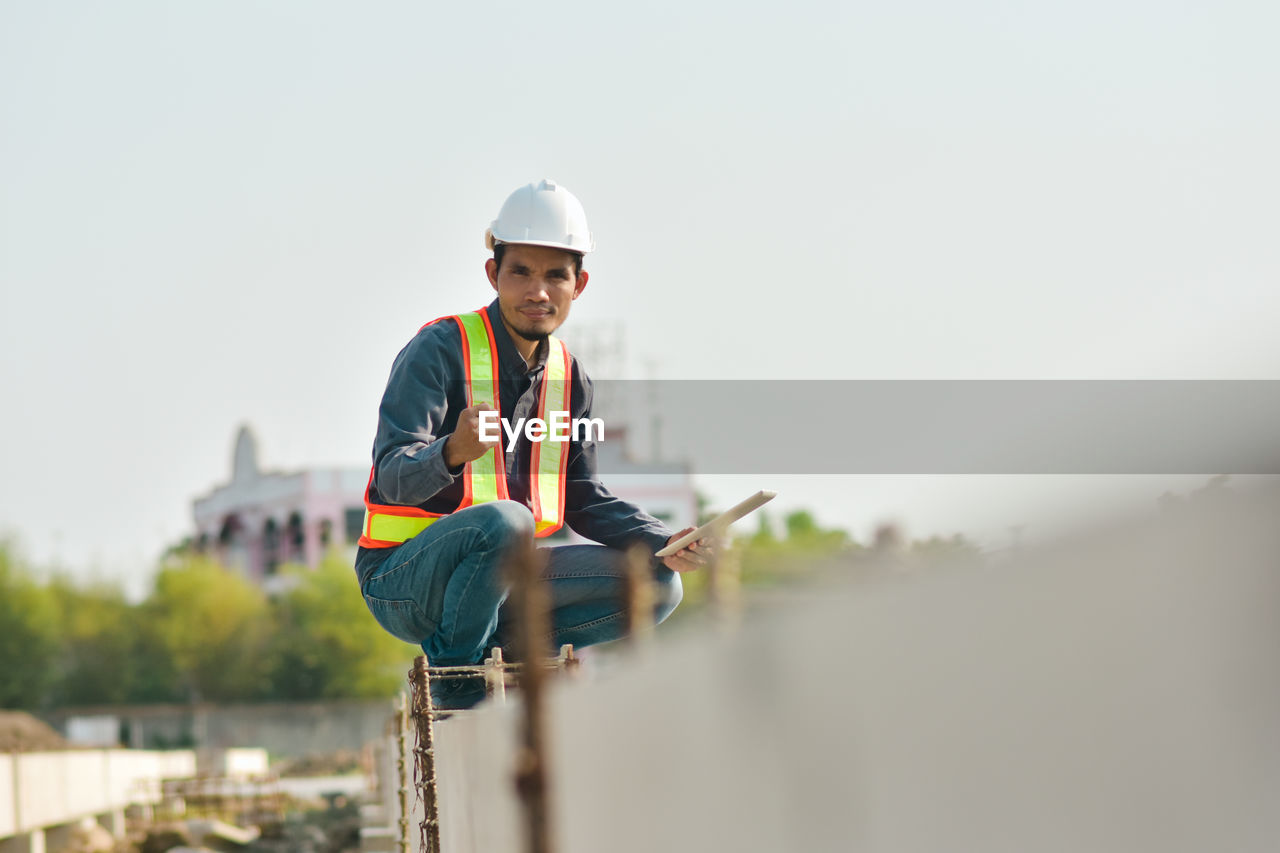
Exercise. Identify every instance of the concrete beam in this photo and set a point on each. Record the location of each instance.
(8, 797)
(55, 789)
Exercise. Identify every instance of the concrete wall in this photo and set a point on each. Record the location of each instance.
(297, 729)
(43, 790)
(477, 808)
(45, 783)
(1116, 692)
(8, 798)
(284, 729)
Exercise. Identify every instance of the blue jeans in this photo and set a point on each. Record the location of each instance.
(444, 589)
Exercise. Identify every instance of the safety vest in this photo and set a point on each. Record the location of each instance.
(484, 479)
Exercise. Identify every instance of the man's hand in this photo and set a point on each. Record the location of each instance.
(692, 557)
(465, 443)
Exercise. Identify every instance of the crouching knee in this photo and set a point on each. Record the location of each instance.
(668, 592)
(505, 523)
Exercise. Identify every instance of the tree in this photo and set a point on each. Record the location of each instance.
(767, 560)
(28, 636)
(214, 626)
(763, 559)
(805, 534)
(954, 550)
(97, 663)
(327, 645)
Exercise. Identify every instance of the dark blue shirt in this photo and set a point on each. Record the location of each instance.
(420, 408)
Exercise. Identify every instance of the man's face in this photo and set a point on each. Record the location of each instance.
(535, 287)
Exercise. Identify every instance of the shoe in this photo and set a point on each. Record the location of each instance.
(456, 693)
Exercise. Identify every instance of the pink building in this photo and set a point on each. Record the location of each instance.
(264, 519)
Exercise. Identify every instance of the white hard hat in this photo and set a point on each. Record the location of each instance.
(542, 214)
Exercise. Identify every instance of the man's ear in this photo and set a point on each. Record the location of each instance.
(581, 285)
(491, 270)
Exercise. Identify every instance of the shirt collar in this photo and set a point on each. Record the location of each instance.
(507, 352)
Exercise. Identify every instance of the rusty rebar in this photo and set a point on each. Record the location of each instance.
(402, 770)
(568, 663)
(424, 754)
(481, 669)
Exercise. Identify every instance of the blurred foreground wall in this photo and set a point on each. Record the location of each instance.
(1118, 692)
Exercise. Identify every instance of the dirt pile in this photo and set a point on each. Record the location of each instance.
(21, 732)
(329, 764)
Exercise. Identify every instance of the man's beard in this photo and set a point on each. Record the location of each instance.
(531, 337)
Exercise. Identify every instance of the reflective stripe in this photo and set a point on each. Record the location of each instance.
(385, 527)
(486, 473)
(392, 524)
(551, 457)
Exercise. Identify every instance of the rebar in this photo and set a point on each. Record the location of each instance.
(402, 737)
(480, 669)
(568, 662)
(424, 754)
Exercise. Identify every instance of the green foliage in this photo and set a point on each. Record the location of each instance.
(806, 550)
(207, 634)
(97, 663)
(28, 635)
(214, 625)
(203, 634)
(704, 511)
(327, 645)
(762, 559)
(766, 560)
(952, 550)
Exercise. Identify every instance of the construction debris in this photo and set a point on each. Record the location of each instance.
(21, 732)
(219, 835)
(165, 837)
(88, 837)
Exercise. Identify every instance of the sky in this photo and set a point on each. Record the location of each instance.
(223, 213)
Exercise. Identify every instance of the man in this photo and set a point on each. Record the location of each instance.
(446, 500)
